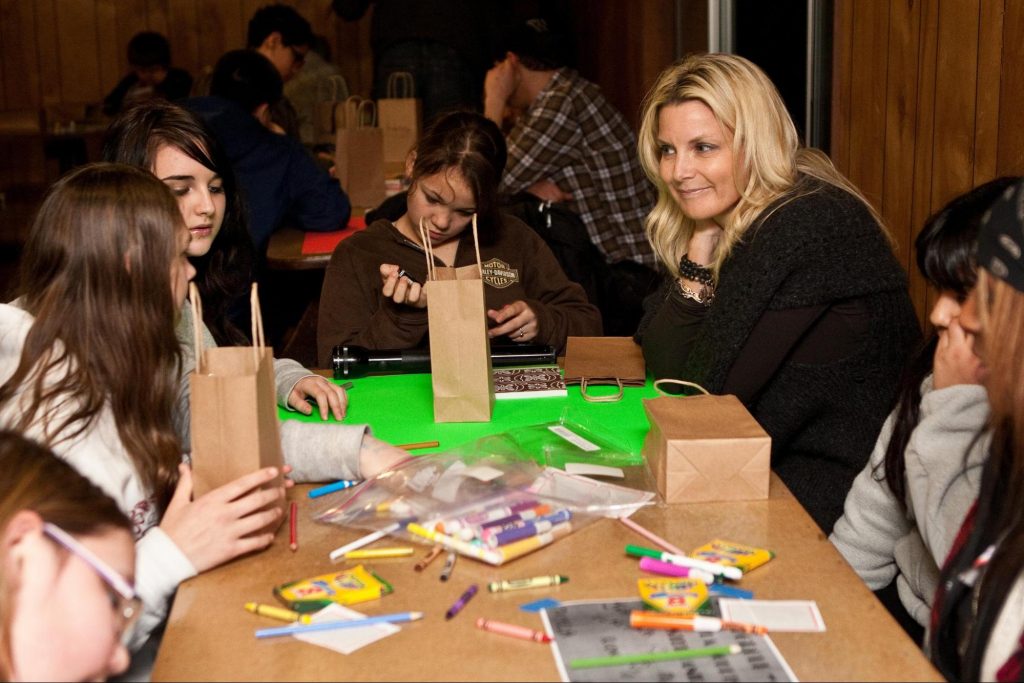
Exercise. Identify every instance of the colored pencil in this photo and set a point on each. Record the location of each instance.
(648, 657)
(419, 444)
(293, 527)
(651, 536)
(332, 625)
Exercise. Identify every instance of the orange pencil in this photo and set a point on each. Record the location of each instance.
(293, 527)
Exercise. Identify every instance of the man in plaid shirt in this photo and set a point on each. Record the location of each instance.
(569, 144)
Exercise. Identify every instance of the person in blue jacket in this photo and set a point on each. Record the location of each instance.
(281, 183)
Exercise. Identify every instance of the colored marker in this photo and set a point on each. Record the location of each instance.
(487, 515)
(512, 630)
(487, 555)
(689, 622)
(449, 566)
(646, 657)
(378, 553)
(431, 556)
(528, 545)
(523, 584)
(277, 613)
(461, 602)
(498, 537)
(332, 625)
(683, 561)
(331, 488)
(649, 564)
(293, 527)
(516, 519)
(365, 540)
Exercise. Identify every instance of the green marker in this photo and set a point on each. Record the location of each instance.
(648, 657)
(734, 573)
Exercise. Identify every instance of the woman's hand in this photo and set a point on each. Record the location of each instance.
(328, 396)
(704, 242)
(375, 456)
(955, 361)
(401, 290)
(226, 522)
(517, 320)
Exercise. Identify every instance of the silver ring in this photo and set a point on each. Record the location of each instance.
(522, 331)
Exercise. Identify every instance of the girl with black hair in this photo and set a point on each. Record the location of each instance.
(905, 506)
(977, 627)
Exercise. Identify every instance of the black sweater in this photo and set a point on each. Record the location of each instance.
(816, 250)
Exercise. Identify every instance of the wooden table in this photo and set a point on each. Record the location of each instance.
(210, 637)
(284, 252)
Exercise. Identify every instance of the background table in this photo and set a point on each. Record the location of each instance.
(210, 637)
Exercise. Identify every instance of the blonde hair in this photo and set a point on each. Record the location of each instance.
(765, 147)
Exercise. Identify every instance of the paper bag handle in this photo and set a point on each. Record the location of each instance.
(352, 113)
(401, 81)
(258, 340)
(197, 324)
(428, 249)
(680, 382)
(585, 382)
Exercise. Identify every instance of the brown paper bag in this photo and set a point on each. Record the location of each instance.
(399, 115)
(359, 153)
(330, 91)
(234, 408)
(460, 352)
(604, 360)
(706, 448)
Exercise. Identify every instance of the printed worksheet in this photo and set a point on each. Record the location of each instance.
(596, 628)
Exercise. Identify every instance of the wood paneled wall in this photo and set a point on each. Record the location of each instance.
(927, 103)
(71, 51)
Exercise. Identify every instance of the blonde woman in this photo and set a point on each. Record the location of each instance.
(783, 287)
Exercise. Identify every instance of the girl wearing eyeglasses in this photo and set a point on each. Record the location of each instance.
(67, 563)
(88, 365)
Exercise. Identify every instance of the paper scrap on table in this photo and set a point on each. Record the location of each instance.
(538, 605)
(345, 640)
(776, 615)
(590, 470)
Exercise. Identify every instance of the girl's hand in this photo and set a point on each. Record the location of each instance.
(517, 320)
(401, 290)
(955, 361)
(226, 522)
(328, 397)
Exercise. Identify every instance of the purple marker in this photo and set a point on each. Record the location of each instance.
(498, 537)
(649, 564)
(461, 602)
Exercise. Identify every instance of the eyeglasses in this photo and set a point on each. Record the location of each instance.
(123, 598)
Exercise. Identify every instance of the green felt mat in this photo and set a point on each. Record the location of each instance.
(400, 410)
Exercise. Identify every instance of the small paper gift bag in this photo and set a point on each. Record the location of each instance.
(399, 115)
(359, 152)
(234, 408)
(604, 360)
(460, 352)
(706, 448)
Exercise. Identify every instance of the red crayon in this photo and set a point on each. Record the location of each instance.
(293, 527)
(512, 630)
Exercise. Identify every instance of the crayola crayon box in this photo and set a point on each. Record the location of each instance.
(732, 554)
(347, 587)
(677, 596)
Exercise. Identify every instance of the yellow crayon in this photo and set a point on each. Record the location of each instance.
(376, 553)
(278, 613)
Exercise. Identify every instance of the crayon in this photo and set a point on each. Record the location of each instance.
(277, 612)
(461, 602)
(512, 630)
(431, 556)
(449, 566)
